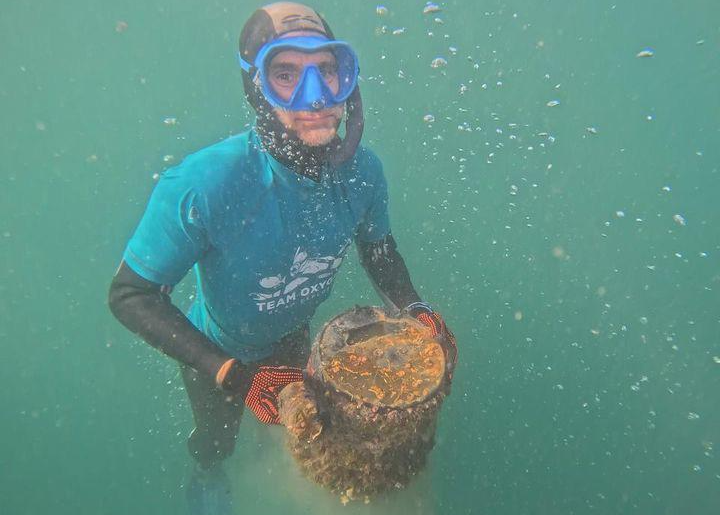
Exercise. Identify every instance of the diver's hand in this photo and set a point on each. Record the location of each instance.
(266, 385)
(258, 385)
(426, 316)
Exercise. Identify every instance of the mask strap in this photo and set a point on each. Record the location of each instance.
(248, 67)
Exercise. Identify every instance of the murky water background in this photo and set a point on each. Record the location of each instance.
(574, 249)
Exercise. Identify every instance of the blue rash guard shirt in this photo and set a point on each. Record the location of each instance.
(265, 242)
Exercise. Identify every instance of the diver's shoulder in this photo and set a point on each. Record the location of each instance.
(366, 165)
(366, 158)
(218, 158)
(216, 166)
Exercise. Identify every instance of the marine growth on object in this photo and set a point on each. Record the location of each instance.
(364, 422)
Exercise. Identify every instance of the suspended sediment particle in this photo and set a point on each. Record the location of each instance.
(381, 10)
(645, 52)
(591, 130)
(428, 118)
(431, 7)
(679, 219)
(170, 120)
(553, 103)
(439, 62)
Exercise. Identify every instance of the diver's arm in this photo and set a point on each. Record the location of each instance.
(387, 272)
(146, 310)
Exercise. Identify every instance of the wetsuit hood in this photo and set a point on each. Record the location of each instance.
(268, 24)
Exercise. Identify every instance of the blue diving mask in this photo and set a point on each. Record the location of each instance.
(312, 87)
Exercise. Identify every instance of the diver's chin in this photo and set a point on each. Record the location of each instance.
(317, 137)
(313, 129)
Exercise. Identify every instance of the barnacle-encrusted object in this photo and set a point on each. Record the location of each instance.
(364, 421)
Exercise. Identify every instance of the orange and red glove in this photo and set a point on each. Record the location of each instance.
(260, 386)
(426, 316)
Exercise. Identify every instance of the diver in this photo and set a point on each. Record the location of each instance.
(265, 218)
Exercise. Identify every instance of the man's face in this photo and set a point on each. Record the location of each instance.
(314, 128)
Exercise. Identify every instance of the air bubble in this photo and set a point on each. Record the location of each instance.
(679, 219)
(431, 8)
(439, 62)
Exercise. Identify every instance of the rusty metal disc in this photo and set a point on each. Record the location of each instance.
(384, 362)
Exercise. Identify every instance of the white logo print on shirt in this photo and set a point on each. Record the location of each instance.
(312, 275)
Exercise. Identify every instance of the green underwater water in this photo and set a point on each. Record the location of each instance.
(574, 250)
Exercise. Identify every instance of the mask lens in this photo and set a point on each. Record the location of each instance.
(347, 70)
(282, 75)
